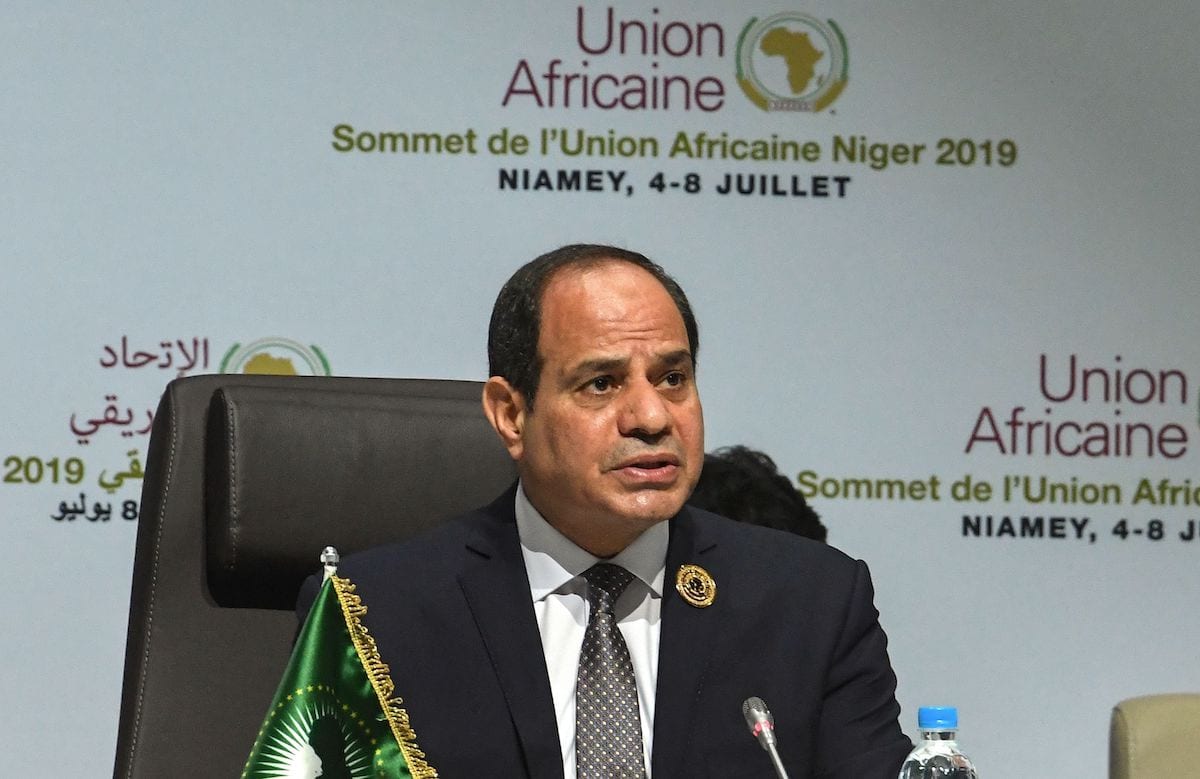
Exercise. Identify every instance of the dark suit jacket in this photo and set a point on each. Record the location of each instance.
(793, 623)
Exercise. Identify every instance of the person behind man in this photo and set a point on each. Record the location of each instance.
(744, 484)
(587, 623)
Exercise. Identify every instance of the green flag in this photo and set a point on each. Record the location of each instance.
(334, 715)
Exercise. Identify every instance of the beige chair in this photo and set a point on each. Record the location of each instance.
(1155, 737)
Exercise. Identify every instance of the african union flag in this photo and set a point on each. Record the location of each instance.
(334, 715)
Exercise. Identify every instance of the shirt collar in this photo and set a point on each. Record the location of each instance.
(552, 560)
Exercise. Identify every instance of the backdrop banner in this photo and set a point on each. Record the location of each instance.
(943, 257)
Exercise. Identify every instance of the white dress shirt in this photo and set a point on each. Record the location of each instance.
(554, 565)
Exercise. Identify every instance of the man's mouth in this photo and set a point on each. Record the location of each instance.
(650, 468)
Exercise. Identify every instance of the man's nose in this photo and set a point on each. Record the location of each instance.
(644, 411)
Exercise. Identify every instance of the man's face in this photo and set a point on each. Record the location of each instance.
(615, 440)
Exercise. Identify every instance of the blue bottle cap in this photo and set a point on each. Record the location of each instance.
(937, 718)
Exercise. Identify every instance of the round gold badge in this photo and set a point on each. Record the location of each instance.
(696, 586)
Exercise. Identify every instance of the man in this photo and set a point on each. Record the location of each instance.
(514, 656)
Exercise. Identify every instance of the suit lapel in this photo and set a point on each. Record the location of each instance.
(685, 648)
(497, 591)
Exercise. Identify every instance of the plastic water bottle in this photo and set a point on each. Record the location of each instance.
(936, 755)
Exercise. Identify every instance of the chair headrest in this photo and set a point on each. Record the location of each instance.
(290, 470)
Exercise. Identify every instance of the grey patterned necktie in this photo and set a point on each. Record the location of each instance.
(608, 726)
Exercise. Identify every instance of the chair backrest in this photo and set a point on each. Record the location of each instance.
(1155, 736)
(247, 479)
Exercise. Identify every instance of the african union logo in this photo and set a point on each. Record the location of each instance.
(317, 739)
(791, 62)
(277, 357)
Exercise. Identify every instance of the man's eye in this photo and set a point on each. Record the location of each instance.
(674, 379)
(600, 384)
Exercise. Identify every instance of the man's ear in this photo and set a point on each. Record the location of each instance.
(504, 407)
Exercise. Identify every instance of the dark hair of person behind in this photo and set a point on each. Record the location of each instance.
(517, 314)
(744, 484)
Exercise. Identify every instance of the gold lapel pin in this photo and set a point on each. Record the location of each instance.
(695, 585)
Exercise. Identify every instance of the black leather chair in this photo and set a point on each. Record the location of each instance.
(247, 479)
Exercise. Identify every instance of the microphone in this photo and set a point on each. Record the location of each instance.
(762, 727)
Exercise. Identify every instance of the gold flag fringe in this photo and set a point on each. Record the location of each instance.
(381, 679)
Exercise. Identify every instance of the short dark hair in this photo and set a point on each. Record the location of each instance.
(744, 484)
(517, 315)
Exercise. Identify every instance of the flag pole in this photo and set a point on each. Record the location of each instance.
(329, 561)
